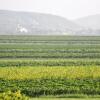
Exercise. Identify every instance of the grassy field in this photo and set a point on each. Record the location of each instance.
(65, 99)
(50, 65)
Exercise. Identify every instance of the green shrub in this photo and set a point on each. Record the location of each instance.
(13, 96)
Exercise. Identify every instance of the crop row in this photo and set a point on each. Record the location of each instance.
(49, 62)
(46, 50)
(52, 42)
(52, 86)
(49, 55)
(28, 73)
(49, 38)
(46, 46)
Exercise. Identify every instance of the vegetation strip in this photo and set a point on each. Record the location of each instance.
(38, 87)
(22, 73)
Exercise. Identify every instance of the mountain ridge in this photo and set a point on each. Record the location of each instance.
(33, 23)
(91, 21)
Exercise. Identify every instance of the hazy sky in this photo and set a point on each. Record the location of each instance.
(70, 9)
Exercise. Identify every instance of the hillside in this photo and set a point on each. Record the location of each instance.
(28, 23)
(92, 22)
(15, 23)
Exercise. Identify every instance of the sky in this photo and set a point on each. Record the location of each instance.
(71, 9)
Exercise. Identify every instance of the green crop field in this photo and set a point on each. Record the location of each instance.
(50, 65)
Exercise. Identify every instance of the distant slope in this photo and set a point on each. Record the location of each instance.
(16, 23)
(92, 22)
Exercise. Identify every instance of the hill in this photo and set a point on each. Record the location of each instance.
(27, 23)
(92, 22)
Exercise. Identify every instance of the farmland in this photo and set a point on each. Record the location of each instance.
(50, 65)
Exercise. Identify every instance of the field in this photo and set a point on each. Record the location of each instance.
(64, 99)
(50, 65)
